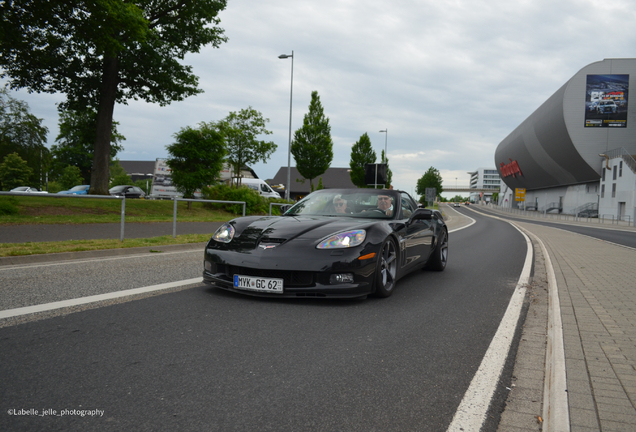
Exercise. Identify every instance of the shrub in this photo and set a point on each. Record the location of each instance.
(9, 205)
(54, 187)
(255, 204)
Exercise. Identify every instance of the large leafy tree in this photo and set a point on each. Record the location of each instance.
(312, 146)
(103, 52)
(21, 132)
(76, 141)
(241, 130)
(362, 153)
(196, 158)
(431, 179)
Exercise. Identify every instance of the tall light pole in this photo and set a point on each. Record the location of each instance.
(386, 136)
(291, 92)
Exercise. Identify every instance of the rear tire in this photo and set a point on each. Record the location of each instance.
(386, 269)
(438, 259)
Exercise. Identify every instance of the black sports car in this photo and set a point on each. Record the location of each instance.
(342, 243)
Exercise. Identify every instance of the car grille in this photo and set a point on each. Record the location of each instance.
(291, 278)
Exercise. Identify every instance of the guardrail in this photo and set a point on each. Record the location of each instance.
(46, 195)
(542, 214)
(278, 204)
(174, 217)
(123, 205)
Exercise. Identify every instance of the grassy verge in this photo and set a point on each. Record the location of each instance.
(35, 248)
(36, 210)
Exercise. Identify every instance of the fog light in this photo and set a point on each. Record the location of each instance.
(341, 278)
(207, 265)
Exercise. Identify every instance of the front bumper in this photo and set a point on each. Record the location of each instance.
(306, 275)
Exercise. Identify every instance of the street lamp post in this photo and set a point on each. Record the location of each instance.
(386, 136)
(291, 92)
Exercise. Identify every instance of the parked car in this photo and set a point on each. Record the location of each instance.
(127, 191)
(339, 243)
(27, 189)
(76, 190)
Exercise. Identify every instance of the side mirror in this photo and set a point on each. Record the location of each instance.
(284, 208)
(421, 214)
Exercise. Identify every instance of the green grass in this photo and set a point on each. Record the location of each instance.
(40, 210)
(21, 249)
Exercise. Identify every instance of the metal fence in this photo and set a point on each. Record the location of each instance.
(174, 217)
(123, 205)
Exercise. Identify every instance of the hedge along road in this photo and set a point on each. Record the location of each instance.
(202, 358)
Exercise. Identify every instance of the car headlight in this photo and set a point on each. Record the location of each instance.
(343, 240)
(224, 234)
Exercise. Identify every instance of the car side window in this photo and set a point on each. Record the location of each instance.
(407, 206)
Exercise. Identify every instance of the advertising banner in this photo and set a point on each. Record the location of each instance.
(162, 186)
(606, 100)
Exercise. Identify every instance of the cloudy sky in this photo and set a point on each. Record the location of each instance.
(448, 79)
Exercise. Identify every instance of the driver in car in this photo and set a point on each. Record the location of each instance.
(385, 204)
(339, 204)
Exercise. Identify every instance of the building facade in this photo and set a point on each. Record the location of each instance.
(484, 178)
(561, 152)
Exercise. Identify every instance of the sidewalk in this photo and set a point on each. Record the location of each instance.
(596, 283)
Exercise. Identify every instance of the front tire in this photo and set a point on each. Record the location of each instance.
(438, 259)
(386, 269)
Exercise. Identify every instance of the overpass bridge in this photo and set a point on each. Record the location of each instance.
(467, 189)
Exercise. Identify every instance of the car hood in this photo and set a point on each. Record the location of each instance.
(250, 232)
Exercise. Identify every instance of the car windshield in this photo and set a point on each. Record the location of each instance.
(117, 188)
(78, 188)
(20, 189)
(355, 203)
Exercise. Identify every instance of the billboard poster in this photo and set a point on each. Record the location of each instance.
(606, 100)
(162, 186)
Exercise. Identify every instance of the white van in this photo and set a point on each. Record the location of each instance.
(259, 185)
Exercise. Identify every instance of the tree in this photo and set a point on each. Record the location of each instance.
(14, 172)
(389, 173)
(312, 146)
(431, 179)
(362, 153)
(104, 52)
(21, 132)
(76, 142)
(240, 131)
(118, 175)
(196, 158)
(71, 176)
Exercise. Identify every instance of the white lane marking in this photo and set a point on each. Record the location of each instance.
(10, 313)
(86, 260)
(473, 221)
(472, 410)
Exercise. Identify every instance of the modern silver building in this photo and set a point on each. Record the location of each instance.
(559, 153)
(484, 178)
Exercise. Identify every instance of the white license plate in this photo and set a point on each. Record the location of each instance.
(259, 284)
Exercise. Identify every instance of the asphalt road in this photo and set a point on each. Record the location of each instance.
(206, 359)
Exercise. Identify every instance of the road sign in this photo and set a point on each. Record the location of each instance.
(520, 194)
(430, 195)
